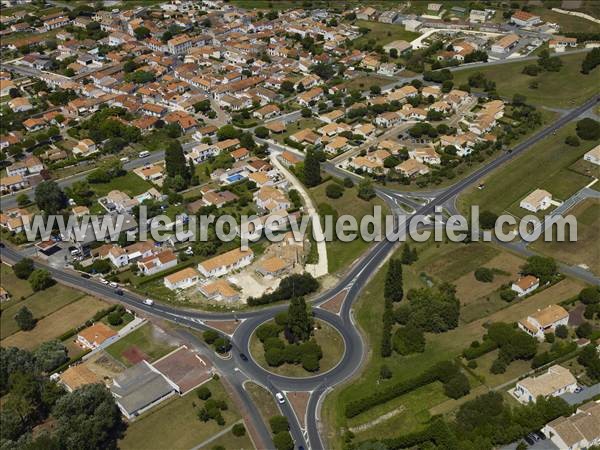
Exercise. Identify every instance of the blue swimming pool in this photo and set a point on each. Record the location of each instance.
(235, 177)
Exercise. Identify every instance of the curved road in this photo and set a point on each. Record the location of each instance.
(351, 282)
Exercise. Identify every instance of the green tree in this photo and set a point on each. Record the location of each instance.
(544, 268)
(50, 355)
(487, 219)
(589, 296)
(175, 163)
(238, 430)
(584, 330)
(49, 197)
(573, 141)
(203, 393)
(299, 321)
(409, 339)
(40, 279)
(458, 386)
(306, 112)
(484, 275)
(23, 268)
(588, 129)
(261, 132)
(88, 418)
(24, 319)
(279, 424)
(312, 169)
(366, 191)
(283, 441)
(393, 289)
(141, 33)
(334, 190)
(562, 331)
(408, 255)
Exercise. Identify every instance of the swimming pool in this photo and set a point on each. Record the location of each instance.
(235, 177)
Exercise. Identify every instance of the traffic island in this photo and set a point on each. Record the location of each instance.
(324, 335)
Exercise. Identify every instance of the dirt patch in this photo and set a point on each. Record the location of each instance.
(469, 289)
(134, 355)
(372, 423)
(226, 326)
(299, 402)
(104, 365)
(334, 304)
(576, 316)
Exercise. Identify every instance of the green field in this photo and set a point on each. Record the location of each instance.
(567, 23)
(231, 441)
(147, 339)
(546, 165)
(174, 424)
(327, 337)
(383, 33)
(263, 400)
(311, 123)
(583, 251)
(17, 288)
(563, 89)
(129, 183)
(341, 254)
(444, 262)
(53, 325)
(41, 304)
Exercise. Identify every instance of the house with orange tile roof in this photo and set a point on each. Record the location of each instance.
(96, 335)
(157, 263)
(525, 285)
(225, 263)
(219, 290)
(182, 279)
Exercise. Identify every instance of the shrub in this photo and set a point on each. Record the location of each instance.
(40, 279)
(348, 182)
(498, 366)
(25, 319)
(508, 295)
(472, 364)
(210, 336)
(484, 275)
(561, 331)
(588, 129)
(584, 330)
(238, 430)
(310, 362)
(589, 295)
(385, 373)
(573, 141)
(550, 337)
(115, 318)
(274, 356)
(279, 424)
(23, 268)
(409, 339)
(268, 330)
(334, 190)
(283, 441)
(203, 393)
(458, 386)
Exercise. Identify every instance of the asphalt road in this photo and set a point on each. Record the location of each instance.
(353, 281)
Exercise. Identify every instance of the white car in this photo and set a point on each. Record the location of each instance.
(103, 281)
(112, 284)
(149, 302)
(280, 398)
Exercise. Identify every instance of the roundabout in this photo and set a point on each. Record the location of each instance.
(327, 337)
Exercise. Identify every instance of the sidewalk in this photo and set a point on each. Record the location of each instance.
(321, 267)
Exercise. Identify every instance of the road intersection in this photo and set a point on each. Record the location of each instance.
(349, 286)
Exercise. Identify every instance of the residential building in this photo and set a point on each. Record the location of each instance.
(593, 155)
(269, 198)
(525, 285)
(562, 42)
(157, 263)
(556, 381)
(425, 155)
(544, 321)
(412, 167)
(538, 200)
(182, 280)
(220, 290)
(84, 148)
(400, 46)
(579, 431)
(367, 13)
(96, 335)
(227, 262)
(12, 184)
(525, 19)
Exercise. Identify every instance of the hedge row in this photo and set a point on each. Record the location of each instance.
(440, 372)
(88, 323)
(475, 352)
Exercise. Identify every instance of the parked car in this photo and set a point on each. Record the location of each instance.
(103, 281)
(112, 284)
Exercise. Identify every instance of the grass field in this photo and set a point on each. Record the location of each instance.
(368, 313)
(383, 33)
(567, 23)
(129, 183)
(506, 187)
(327, 337)
(563, 89)
(366, 81)
(174, 424)
(341, 254)
(263, 400)
(55, 324)
(230, 441)
(16, 287)
(583, 251)
(147, 339)
(41, 304)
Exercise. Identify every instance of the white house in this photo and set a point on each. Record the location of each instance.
(538, 200)
(157, 263)
(555, 382)
(545, 320)
(96, 335)
(578, 431)
(223, 264)
(525, 19)
(525, 285)
(593, 155)
(182, 280)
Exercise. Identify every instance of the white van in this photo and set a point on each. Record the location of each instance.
(144, 154)
(149, 302)
(124, 159)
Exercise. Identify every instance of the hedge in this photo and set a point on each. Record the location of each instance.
(475, 352)
(442, 371)
(71, 361)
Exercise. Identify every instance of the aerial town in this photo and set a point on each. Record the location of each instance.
(145, 117)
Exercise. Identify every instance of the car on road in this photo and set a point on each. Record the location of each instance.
(112, 284)
(280, 398)
(119, 291)
(244, 357)
(149, 302)
(85, 275)
(103, 281)
(144, 154)
(578, 389)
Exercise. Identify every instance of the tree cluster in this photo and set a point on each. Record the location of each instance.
(295, 285)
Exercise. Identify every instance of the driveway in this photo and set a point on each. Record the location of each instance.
(586, 393)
